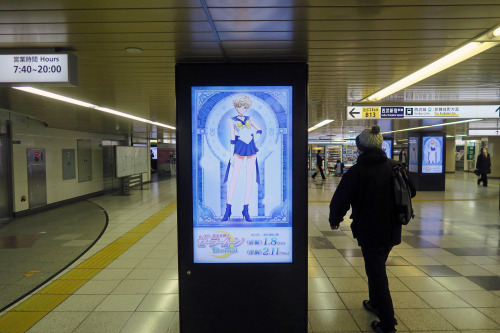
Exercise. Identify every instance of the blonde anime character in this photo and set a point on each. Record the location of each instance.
(433, 151)
(244, 132)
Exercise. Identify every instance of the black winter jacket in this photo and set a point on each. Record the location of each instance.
(483, 164)
(366, 187)
(319, 161)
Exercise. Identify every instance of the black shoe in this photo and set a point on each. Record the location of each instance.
(377, 327)
(368, 305)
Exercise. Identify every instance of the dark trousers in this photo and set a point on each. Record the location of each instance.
(322, 174)
(484, 179)
(378, 284)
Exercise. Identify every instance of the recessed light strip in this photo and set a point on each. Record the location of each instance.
(463, 53)
(323, 123)
(435, 125)
(89, 105)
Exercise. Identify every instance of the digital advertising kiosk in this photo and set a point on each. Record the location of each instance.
(388, 147)
(242, 197)
(426, 160)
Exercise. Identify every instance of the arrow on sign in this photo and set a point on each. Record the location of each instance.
(497, 132)
(497, 110)
(352, 113)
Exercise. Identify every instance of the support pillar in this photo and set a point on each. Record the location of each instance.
(451, 152)
(494, 150)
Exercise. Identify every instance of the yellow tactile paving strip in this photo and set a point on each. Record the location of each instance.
(27, 313)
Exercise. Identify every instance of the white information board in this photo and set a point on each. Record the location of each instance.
(427, 111)
(38, 68)
(131, 160)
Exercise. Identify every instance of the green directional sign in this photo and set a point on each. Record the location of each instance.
(471, 150)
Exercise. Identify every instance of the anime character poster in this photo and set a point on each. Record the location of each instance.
(413, 154)
(432, 154)
(242, 174)
(387, 147)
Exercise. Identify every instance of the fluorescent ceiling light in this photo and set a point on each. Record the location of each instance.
(469, 50)
(88, 105)
(55, 96)
(496, 32)
(435, 125)
(323, 123)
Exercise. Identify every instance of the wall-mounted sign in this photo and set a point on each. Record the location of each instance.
(54, 69)
(432, 154)
(242, 174)
(485, 132)
(429, 111)
(471, 151)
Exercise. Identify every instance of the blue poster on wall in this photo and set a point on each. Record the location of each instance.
(242, 174)
(413, 152)
(387, 147)
(432, 154)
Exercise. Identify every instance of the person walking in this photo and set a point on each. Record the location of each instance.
(339, 168)
(483, 165)
(319, 166)
(367, 188)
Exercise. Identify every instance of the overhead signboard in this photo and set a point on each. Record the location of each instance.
(54, 69)
(419, 112)
(485, 132)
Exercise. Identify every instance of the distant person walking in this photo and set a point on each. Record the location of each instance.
(483, 165)
(339, 168)
(319, 166)
(366, 187)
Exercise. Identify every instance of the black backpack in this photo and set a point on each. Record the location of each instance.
(402, 194)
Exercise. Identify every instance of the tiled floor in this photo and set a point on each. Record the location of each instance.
(35, 247)
(444, 277)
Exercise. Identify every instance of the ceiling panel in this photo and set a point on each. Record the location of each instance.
(353, 48)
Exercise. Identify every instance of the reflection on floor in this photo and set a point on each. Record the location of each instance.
(34, 248)
(444, 277)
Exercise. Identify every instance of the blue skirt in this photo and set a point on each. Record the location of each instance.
(243, 149)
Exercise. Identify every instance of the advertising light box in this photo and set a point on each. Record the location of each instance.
(387, 147)
(432, 154)
(413, 154)
(242, 174)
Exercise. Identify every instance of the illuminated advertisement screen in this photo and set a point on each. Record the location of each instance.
(413, 154)
(242, 174)
(432, 154)
(387, 147)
